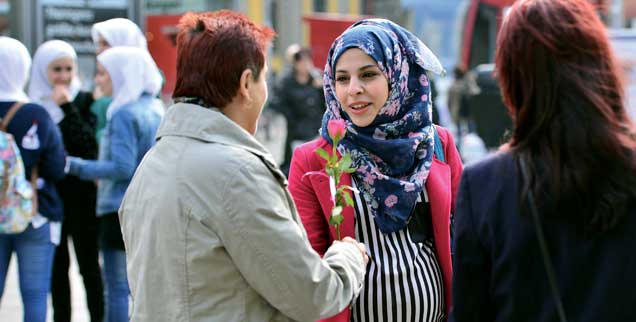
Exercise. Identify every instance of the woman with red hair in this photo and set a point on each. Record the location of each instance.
(210, 229)
(545, 228)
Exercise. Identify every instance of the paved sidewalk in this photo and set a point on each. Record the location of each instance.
(11, 302)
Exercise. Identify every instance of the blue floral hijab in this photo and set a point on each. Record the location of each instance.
(392, 155)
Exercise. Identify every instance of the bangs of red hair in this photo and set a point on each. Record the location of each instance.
(213, 50)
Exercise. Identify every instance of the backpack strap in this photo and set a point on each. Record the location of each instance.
(34, 187)
(438, 147)
(5, 177)
(4, 123)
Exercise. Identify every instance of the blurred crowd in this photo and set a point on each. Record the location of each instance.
(80, 149)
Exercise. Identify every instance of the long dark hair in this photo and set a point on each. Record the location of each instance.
(561, 85)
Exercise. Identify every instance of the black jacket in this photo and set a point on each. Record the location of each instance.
(498, 267)
(78, 132)
(302, 105)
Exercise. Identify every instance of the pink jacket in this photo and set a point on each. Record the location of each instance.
(312, 197)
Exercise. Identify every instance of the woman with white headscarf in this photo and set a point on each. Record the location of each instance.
(131, 77)
(55, 85)
(39, 142)
(116, 32)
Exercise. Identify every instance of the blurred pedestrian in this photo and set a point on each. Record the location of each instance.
(42, 152)
(116, 32)
(130, 76)
(545, 228)
(208, 214)
(458, 101)
(299, 97)
(406, 169)
(55, 84)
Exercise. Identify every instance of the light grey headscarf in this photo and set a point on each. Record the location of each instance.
(40, 88)
(119, 32)
(14, 70)
(133, 72)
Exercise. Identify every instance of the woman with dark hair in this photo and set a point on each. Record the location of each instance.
(210, 229)
(545, 228)
(298, 96)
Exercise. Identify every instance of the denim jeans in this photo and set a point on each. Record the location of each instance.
(116, 285)
(35, 251)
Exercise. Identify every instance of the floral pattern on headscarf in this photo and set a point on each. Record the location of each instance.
(392, 155)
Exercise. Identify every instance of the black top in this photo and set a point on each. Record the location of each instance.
(302, 105)
(78, 129)
(498, 266)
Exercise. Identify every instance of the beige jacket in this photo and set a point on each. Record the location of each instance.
(212, 234)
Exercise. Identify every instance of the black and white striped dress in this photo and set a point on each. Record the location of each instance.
(403, 281)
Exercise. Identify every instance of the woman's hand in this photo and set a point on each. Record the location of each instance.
(60, 95)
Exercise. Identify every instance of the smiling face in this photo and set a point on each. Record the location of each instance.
(361, 86)
(61, 71)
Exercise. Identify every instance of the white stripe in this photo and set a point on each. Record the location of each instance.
(368, 289)
(400, 266)
(420, 274)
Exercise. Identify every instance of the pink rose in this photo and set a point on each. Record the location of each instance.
(390, 200)
(336, 129)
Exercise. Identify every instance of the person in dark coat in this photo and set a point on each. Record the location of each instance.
(298, 95)
(572, 136)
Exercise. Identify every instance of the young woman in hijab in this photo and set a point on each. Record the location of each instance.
(375, 80)
(131, 77)
(117, 32)
(114, 32)
(55, 85)
(40, 144)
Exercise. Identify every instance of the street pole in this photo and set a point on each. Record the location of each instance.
(617, 16)
(21, 22)
(137, 13)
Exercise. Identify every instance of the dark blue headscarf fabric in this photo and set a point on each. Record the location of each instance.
(392, 155)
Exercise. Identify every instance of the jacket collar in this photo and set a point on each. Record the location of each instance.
(210, 125)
